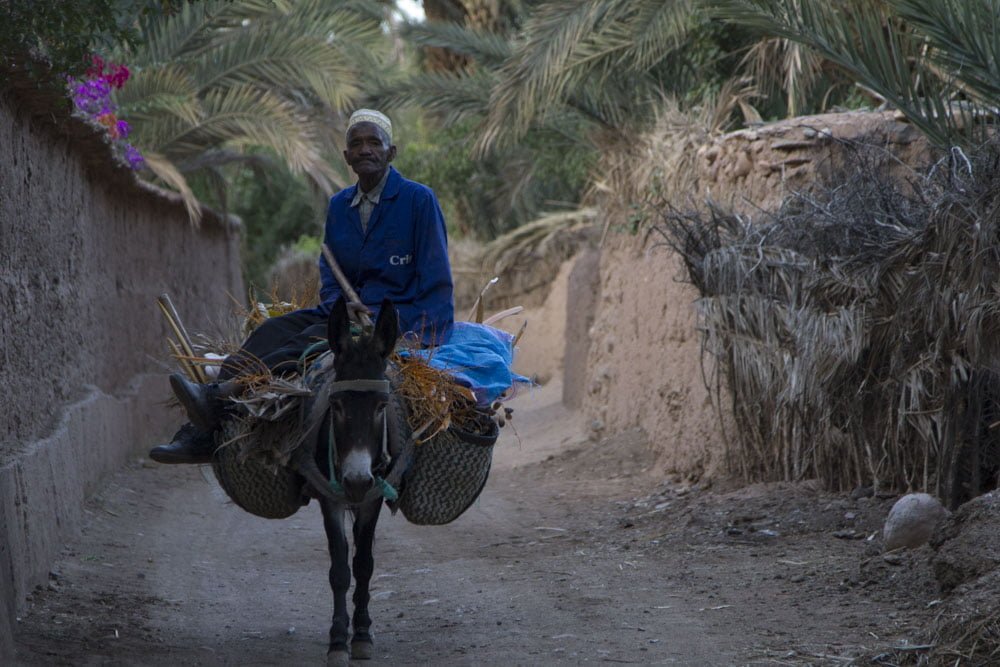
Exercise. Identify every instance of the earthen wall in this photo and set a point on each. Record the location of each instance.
(85, 249)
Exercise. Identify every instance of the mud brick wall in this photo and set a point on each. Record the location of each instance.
(643, 349)
(85, 249)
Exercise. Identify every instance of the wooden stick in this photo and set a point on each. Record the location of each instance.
(476, 314)
(345, 286)
(184, 341)
(186, 365)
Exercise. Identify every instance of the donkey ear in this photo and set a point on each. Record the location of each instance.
(338, 327)
(386, 329)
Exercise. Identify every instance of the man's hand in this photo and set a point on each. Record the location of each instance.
(355, 308)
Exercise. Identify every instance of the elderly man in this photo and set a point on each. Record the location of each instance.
(388, 235)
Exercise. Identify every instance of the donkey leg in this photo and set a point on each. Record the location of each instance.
(340, 580)
(364, 565)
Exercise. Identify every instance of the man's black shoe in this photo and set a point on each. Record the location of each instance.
(200, 401)
(190, 445)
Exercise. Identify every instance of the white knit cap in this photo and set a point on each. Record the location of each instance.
(371, 116)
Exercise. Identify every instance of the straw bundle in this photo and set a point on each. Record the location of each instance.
(857, 327)
(434, 399)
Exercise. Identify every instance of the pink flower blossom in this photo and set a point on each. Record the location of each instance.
(118, 76)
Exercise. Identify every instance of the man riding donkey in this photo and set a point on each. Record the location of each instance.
(388, 236)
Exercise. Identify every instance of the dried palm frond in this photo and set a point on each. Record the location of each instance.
(857, 327)
(435, 400)
(537, 238)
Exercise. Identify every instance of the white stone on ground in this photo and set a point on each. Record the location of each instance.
(911, 521)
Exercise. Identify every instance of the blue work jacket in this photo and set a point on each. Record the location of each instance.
(403, 255)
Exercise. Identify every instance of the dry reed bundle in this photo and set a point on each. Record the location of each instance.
(857, 327)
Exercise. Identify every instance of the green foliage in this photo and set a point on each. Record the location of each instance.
(711, 57)
(564, 84)
(309, 244)
(934, 60)
(218, 79)
(61, 31)
(276, 208)
(64, 33)
(487, 196)
(597, 57)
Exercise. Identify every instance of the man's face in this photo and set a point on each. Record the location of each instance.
(368, 150)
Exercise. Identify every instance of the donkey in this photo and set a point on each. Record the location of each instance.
(352, 447)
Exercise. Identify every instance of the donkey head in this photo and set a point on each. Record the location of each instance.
(359, 396)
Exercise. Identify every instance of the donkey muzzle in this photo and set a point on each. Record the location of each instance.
(357, 478)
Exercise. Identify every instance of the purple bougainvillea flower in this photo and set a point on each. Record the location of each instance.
(133, 157)
(91, 97)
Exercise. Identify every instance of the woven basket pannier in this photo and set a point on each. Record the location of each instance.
(447, 475)
(272, 492)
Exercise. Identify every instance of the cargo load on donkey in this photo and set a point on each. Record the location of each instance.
(444, 406)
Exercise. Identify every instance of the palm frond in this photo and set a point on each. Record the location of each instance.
(245, 116)
(281, 58)
(196, 28)
(651, 32)
(163, 168)
(780, 63)
(510, 249)
(454, 95)
(875, 47)
(541, 69)
(487, 48)
(567, 43)
(965, 38)
(158, 90)
(218, 79)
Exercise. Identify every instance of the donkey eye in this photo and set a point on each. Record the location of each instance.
(337, 408)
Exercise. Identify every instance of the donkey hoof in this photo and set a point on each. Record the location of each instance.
(338, 659)
(362, 649)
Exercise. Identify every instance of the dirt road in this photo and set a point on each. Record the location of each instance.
(572, 555)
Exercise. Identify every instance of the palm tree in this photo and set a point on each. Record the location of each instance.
(508, 186)
(934, 60)
(600, 59)
(216, 82)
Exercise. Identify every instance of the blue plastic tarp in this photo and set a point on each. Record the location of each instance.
(479, 357)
